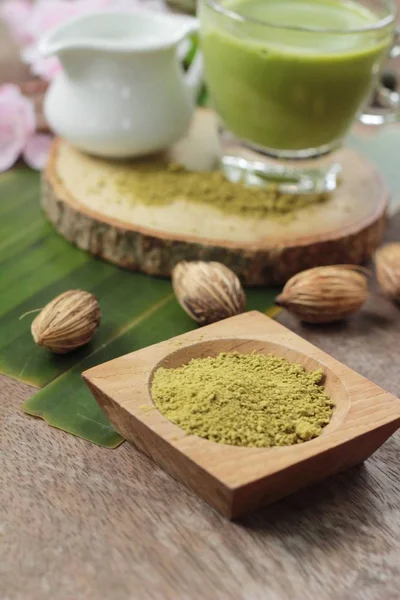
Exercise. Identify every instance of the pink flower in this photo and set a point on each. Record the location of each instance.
(16, 13)
(17, 131)
(36, 150)
(31, 21)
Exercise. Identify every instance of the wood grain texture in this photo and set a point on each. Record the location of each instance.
(84, 523)
(78, 522)
(236, 480)
(89, 524)
(346, 228)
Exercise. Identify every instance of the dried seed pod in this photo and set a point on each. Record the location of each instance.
(67, 322)
(208, 291)
(325, 294)
(387, 261)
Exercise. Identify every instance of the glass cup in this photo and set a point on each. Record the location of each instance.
(292, 92)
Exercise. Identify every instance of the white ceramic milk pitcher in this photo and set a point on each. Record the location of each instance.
(122, 91)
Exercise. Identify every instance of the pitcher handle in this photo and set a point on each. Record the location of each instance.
(389, 112)
(194, 75)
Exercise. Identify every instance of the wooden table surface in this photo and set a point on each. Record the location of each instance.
(78, 522)
(81, 522)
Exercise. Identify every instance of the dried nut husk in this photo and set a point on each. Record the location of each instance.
(325, 294)
(67, 322)
(208, 291)
(387, 261)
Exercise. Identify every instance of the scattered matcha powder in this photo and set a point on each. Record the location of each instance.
(244, 399)
(156, 182)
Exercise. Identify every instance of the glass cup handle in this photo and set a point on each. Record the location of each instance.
(389, 101)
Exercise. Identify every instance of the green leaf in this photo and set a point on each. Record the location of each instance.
(194, 45)
(68, 405)
(36, 264)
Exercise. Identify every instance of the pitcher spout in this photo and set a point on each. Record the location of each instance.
(118, 32)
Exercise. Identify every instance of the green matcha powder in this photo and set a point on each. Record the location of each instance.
(244, 399)
(157, 183)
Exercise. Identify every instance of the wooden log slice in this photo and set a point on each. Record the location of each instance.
(81, 198)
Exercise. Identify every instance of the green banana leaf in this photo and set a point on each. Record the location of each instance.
(36, 264)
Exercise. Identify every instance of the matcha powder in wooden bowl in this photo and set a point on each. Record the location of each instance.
(244, 399)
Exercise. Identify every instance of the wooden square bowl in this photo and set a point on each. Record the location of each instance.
(236, 479)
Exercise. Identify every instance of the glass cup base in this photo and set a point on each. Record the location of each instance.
(310, 171)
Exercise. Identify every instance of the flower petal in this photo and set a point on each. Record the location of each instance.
(10, 146)
(17, 124)
(9, 92)
(37, 150)
(17, 13)
(45, 68)
(16, 110)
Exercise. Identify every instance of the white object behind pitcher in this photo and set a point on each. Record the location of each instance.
(122, 91)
